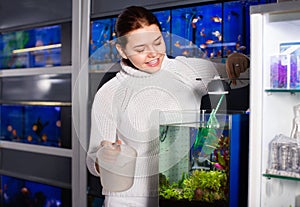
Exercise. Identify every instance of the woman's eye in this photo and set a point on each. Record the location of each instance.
(157, 43)
(139, 50)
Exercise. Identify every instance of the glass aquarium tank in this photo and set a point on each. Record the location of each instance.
(203, 158)
(42, 125)
(204, 30)
(38, 47)
(19, 192)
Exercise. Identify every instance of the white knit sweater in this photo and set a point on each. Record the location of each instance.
(128, 105)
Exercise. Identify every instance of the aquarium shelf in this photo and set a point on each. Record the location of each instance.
(282, 90)
(269, 176)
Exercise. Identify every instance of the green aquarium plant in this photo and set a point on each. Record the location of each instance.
(200, 185)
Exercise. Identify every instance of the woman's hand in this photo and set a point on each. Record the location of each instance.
(110, 150)
(236, 64)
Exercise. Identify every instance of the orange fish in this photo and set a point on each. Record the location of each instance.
(209, 42)
(177, 44)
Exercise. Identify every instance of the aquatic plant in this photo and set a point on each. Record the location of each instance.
(200, 185)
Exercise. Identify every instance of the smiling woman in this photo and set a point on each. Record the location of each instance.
(126, 109)
(145, 48)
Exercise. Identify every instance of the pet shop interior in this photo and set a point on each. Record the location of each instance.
(54, 56)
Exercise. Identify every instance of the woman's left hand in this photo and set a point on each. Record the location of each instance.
(236, 64)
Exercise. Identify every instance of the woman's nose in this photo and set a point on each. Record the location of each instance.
(152, 52)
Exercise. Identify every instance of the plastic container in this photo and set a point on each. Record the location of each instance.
(117, 167)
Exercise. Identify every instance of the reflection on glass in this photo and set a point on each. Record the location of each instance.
(39, 47)
(31, 124)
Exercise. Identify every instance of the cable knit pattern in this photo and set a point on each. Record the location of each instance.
(128, 107)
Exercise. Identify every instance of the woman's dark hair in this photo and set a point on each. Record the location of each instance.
(132, 18)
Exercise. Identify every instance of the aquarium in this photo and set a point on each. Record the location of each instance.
(40, 125)
(19, 192)
(203, 158)
(212, 30)
(38, 47)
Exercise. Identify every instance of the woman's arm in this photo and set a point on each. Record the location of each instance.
(103, 127)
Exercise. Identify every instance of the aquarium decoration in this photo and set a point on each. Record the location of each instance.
(284, 151)
(285, 67)
(206, 139)
(284, 157)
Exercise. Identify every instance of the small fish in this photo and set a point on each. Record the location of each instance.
(216, 33)
(216, 19)
(209, 42)
(185, 52)
(241, 48)
(203, 46)
(177, 44)
(169, 19)
(202, 34)
(218, 166)
(234, 13)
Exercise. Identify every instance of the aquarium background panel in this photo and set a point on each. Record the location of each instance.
(12, 188)
(11, 122)
(28, 39)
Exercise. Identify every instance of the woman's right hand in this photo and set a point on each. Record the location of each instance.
(110, 150)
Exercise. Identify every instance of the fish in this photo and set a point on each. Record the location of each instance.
(169, 19)
(209, 42)
(203, 46)
(177, 44)
(216, 19)
(241, 48)
(185, 52)
(202, 34)
(216, 33)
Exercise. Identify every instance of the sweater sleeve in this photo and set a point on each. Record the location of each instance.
(103, 124)
(207, 70)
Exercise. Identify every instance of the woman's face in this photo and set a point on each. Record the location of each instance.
(145, 48)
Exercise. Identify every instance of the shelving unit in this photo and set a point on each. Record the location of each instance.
(272, 110)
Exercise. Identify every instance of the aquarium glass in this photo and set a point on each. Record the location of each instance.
(31, 124)
(19, 192)
(212, 30)
(102, 45)
(38, 47)
(201, 157)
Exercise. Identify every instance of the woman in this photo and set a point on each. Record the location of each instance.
(126, 109)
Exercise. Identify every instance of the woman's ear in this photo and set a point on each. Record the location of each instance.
(121, 52)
